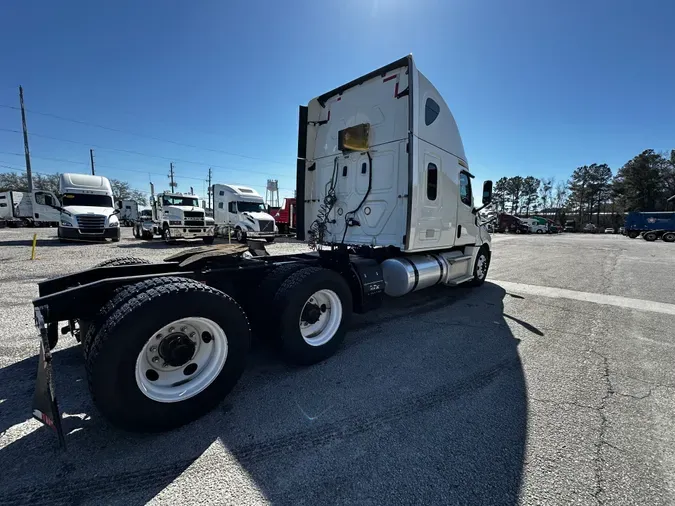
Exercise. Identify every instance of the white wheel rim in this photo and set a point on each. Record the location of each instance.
(322, 330)
(163, 382)
(481, 266)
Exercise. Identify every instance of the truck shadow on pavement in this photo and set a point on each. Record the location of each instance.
(424, 403)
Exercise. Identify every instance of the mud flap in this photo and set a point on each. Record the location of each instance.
(45, 407)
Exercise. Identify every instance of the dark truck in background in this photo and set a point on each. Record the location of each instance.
(651, 225)
(509, 223)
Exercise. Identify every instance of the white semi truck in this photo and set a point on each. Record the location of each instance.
(129, 210)
(88, 211)
(176, 216)
(38, 208)
(384, 195)
(241, 210)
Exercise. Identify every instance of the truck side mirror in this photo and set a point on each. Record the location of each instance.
(487, 192)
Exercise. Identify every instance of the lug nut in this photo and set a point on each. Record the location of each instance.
(165, 364)
(171, 329)
(155, 359)
(183, 328)
(153, 348)
(159, 336)
(192, 334)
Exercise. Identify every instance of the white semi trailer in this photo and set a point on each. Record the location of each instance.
(384, 195)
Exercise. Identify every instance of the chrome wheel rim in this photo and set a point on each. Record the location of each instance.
(181, 359)
(320, 317)
(481, 266)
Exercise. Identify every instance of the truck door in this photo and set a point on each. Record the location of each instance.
(430, 222)
(42, 207)
(467, 222)
(232, 214)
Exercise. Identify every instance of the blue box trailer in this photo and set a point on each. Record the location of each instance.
(662, 224)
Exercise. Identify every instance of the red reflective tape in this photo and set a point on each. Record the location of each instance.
(338, 99)
(396, 90)
(389, 78)
(328, 115)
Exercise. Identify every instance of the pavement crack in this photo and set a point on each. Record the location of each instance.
(639, 397)
(652, 384)
(599, 460)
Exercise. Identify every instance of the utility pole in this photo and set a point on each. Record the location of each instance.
(172, 184)
(29, 171)
(91, 157)
(208, 191)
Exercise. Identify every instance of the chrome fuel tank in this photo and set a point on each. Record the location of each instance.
(407, 274)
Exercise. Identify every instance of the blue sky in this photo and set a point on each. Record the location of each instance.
(537, 87)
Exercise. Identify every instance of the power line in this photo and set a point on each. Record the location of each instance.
(46, 174)
(112, 167)
(152, 137)
(145, 154)
(115, 168)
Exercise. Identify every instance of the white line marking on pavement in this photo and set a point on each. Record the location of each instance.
(596, 298)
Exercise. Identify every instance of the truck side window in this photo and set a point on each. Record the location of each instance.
(465, 188)
(40, 199)
(222, 192)
(432, 181)
(431, 111)
(232, 207)
(220, 205)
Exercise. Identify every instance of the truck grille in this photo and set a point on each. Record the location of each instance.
(266, 225)
(91, 222)
(194, 218)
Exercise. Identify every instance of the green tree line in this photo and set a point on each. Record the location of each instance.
(644, 183)
(50, 182)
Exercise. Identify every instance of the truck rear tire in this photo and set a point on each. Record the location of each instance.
(240, 235)
(649, 236)
(312, 307)
(259, 300)
(114, 262)
(89, 328)
(632, 234)
(668, 237)
(208, 240)
(167, 355)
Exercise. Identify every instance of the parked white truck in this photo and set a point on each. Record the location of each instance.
(88, 211)
(384, 193)
(242, 211)
(177, 216)
(33, 209)
(129, 210)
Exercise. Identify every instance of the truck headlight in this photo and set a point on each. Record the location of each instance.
(113, 222)
(65, 223)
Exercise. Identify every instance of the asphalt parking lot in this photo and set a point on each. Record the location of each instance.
(554, 383)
